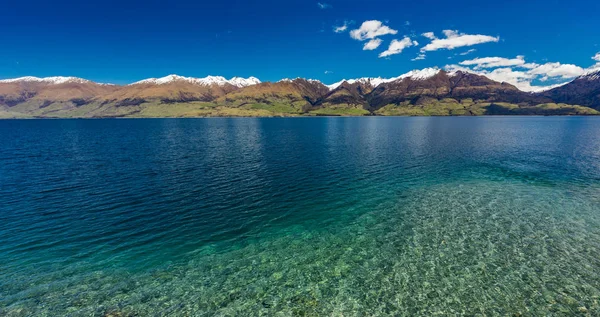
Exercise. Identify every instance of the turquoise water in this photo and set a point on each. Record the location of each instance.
(494, 216)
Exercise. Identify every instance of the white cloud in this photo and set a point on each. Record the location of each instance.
(340, 29)
(468, 52)
(343, 27)
(510, 76)
(429, 35)
(327, 72)
(557, 70)
(520, 79)
(396, 47)
(518, 72)
(324, 5)
(458, 68)
(454, 39)
(370, 30)
(494, 62)
(372, 44)
(595, 67)
(419, 57)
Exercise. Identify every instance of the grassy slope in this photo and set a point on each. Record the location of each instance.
(340, 111)
(451, 107)
(277, 107)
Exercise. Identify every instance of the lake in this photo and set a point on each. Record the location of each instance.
(300, 216)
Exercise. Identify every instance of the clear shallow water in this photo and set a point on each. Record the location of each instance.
(300, 217)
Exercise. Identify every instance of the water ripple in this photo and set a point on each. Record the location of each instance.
(323, 216)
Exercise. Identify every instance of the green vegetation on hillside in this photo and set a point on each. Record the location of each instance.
(340, 111)
(467, 107)
(276, 107)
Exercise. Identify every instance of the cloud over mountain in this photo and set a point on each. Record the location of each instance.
(373, 29)
(557, 69)
(397, 46)
(370, 30)
(493, 62)
(517, 71)
(454, 39)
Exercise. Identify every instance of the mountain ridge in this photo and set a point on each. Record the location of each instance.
(584, 89)
(430, 91)
(209, 80)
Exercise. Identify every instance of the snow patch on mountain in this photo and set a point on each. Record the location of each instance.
(422, 74)
(373, 81)
(206, 81)
(289, 80)
(48, 80)
(537, 89)
(243, 82)
(594, 74)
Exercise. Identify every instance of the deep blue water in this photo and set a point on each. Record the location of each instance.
(300, 216)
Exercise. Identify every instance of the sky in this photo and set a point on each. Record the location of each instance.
(528, 43)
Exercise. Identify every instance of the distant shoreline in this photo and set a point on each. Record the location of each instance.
(294, 117)
(429, 92)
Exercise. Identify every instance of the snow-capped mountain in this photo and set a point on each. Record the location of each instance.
(289, 80)
(414, 89)
(420, 74)
(370, 94)
(373, 81)
(592, 75)
(584, 90)
(376, 81)
(48, 80)
(206, 81)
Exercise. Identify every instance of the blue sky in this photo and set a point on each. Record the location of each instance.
(125, 41)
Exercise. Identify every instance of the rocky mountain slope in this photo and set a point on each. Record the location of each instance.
(584, 90)
(421, 92)
(15, 91)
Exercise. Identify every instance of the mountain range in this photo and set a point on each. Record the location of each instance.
(429, 91)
